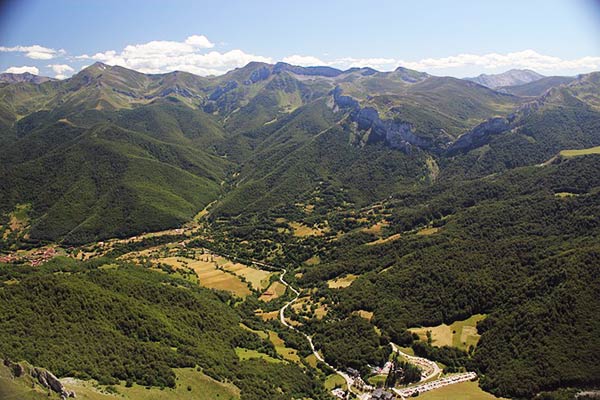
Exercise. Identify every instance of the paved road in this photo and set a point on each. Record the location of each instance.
(435, 369)
(347, 378)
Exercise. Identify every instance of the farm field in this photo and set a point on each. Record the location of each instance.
(259, 279)
(461, 334)
(459, 391)
(209, 276)
(275, 290)
(580, 152)
(286, 352)
(301, 230)
(341, 282)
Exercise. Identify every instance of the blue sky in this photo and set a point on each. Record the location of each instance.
(458, 38)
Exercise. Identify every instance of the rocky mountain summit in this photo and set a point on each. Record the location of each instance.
(512, 77)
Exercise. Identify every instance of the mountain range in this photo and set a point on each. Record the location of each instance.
(113, 152)
(399, 202)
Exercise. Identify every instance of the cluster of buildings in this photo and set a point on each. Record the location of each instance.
(36, 258)
(438, 383)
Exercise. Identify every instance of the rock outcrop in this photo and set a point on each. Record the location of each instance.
(395, 133)
(44, 377)
(481, 134)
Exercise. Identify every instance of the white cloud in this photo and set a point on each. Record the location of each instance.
(382, 64)
(528, 59)
(23, 69)
(61, 70)
(303, 61)
(35, 52)
(161, 56)
(199, 41)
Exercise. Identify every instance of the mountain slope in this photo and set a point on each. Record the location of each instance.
(536, 88)
(509, 78)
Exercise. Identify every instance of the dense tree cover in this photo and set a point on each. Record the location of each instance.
(351, 342)
(113, 322)
(517, 251)
(402, 372)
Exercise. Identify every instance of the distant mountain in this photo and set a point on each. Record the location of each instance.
(509, 78)
(537, 87)
(113, 152)
(8, 77)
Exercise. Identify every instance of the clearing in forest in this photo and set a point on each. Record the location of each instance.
(580, 152)
(341, 282)
(461, 334)
(275, 290)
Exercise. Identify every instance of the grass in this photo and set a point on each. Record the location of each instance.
(391, 238)
(312, 360)
(301, 230)
(428, 231)
(267, 316)
(458, 391)
(376, 228)
(275, 290)
(461, 334)
(209, 276)
(580, 152)
(368, 315)
(246, 354)
(375, 379)
(341, 282)
(565, 194)
(259, 279)
(261, 334)
(202, 388)
(286, 352)
(333, 381)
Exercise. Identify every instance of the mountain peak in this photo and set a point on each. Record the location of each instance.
(8, 77)
(511, 77)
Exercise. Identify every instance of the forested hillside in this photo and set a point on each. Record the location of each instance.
(394, 200)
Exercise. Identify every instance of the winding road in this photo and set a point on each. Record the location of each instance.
(347, 378)
(425, 384)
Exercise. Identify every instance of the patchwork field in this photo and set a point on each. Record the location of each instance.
(259, 279)
(461, 334)
(275, 290)
(209, 276)
(341, 282)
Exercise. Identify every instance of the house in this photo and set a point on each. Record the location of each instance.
(353, 373)
(380, 394)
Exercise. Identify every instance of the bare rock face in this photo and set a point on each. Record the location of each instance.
(395, 133)
(17, 369)
(45, 378)
(481, 134)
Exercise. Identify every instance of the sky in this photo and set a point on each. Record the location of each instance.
(455, 37)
